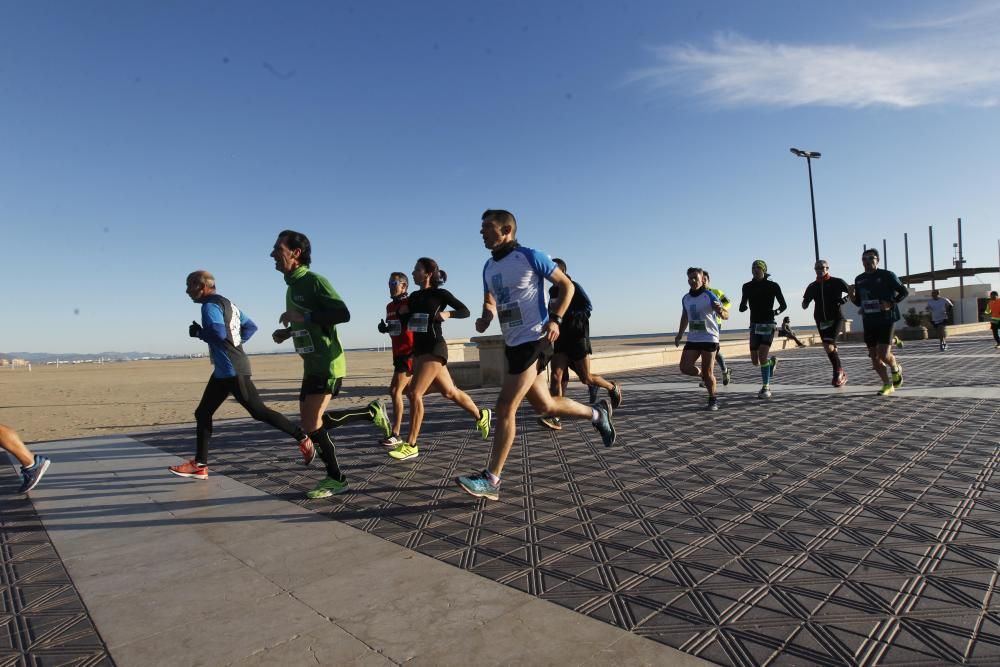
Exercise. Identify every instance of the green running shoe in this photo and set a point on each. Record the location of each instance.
(550, 422)
(886, 389)
(897, 376)
(380, 418)
(404, 451)
(326, 488)
(483, 423)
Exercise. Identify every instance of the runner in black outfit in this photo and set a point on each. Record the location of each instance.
(573, 350)
(828, 294)
(760, 294)
(423, 314)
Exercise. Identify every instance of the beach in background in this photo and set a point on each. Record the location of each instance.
(79, 400)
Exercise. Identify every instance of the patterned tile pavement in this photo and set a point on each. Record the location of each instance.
(42, 619)
(810, 529)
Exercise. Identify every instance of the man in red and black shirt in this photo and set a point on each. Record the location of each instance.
(402, 352)
(828, 294)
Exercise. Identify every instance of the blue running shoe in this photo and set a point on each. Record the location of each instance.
(604, 425)
(479, 485)
(32, 475)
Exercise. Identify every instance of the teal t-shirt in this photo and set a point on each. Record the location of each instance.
(870, 289)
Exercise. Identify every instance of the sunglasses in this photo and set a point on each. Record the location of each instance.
(393, 283)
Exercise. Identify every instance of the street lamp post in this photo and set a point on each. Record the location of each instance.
(809, 156)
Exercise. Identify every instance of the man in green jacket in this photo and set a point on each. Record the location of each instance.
(313, 309)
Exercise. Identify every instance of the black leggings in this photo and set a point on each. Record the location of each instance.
(995, 326)
(243, 390)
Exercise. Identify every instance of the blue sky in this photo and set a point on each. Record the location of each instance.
(141, 141)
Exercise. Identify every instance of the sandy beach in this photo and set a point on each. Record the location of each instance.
(80, 400)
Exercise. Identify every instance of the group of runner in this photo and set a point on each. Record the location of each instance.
(876, 291)
(535, 335)
(513, 293)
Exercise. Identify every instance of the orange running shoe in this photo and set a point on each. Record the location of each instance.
(308, 450)
(190, 469)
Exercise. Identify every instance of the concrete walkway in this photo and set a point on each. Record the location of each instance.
(218, 573)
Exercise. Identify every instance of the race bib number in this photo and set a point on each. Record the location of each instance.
(871, 306)
(827, 324)
(510, 315)
(763, 329)
(303, 342)
(698, 325)
(418, 322)
(394, 327)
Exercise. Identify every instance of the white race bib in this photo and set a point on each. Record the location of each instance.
(871, 306)
(418, 322)
(303, 342)
(510, 315)
(394, 327)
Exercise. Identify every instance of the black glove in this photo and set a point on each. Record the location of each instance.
(382, 328)
(194, 330)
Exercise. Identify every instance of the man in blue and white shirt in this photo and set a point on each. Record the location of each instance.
(514, 292)
(225, 328)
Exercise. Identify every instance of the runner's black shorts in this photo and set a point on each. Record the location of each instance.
(829, 333)
(521, 357)
(437, 348)
(701, 346)
(756, 339)
(403, 364)
(573, 345)
(313, 385)
(879, 333)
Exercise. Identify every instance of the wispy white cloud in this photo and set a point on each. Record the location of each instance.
(958, 62)
(974, 13)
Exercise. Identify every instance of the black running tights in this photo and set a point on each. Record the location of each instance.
(243, 390)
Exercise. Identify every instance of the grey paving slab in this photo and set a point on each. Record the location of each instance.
(43, 620)
(218, 572)
(822, 527)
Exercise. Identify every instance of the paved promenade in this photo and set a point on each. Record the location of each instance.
(826, 526)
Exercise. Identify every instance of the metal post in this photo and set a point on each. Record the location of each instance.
(812, 201)
(930, 233)
(885, 256)
(809, 155)
(906, 255)
(961, 278)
